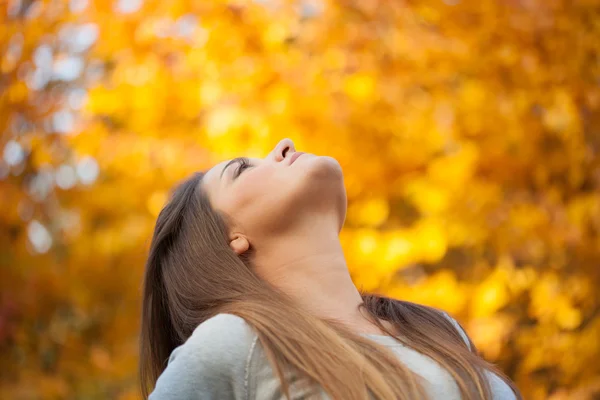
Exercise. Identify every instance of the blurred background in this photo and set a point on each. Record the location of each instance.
(468, 131)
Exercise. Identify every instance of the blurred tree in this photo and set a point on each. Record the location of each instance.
(468, 132)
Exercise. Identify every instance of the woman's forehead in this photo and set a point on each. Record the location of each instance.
(211, 182)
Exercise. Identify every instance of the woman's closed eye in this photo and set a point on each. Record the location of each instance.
(243, 163)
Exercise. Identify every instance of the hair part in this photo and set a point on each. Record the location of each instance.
(192, 275)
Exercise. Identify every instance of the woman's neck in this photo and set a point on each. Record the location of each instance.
(315, 275)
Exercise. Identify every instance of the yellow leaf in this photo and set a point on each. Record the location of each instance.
(360, 87)
(489, 297)
(371, 212)
(567, 316)
(430, 241)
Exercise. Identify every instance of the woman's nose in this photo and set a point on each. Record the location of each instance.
(283, 147)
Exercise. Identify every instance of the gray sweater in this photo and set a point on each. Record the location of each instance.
(224, 360)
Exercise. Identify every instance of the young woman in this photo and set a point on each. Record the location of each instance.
(247, 295)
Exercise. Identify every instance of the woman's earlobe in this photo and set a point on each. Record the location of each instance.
(239, 244)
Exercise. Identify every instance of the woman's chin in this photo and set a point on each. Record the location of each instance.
(323, 166)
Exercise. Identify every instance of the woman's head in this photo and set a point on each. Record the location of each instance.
(284, 193)
(200, 260)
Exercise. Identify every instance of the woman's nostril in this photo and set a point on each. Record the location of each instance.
(283, 147)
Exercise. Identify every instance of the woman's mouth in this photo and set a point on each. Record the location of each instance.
(295, 156)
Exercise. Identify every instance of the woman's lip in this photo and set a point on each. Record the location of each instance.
(294, 156)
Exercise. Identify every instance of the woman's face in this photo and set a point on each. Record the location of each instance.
(279, 193)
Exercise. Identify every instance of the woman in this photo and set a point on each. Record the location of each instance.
(247, 295)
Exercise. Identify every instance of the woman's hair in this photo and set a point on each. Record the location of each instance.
(192, 275)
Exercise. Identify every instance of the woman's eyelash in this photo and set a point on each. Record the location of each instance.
(243, 164)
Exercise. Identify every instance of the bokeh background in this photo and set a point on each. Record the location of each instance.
(468, 131)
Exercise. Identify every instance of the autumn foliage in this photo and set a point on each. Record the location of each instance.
(468, 131)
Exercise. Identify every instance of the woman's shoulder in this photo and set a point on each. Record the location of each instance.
(221, 343)
(224, 337)
(213, 360)
(229, 325)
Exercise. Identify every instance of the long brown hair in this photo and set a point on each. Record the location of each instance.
(192, 275)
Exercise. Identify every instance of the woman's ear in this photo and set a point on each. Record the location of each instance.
(239, 243)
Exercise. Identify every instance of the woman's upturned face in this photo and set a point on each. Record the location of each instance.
(278, 193)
